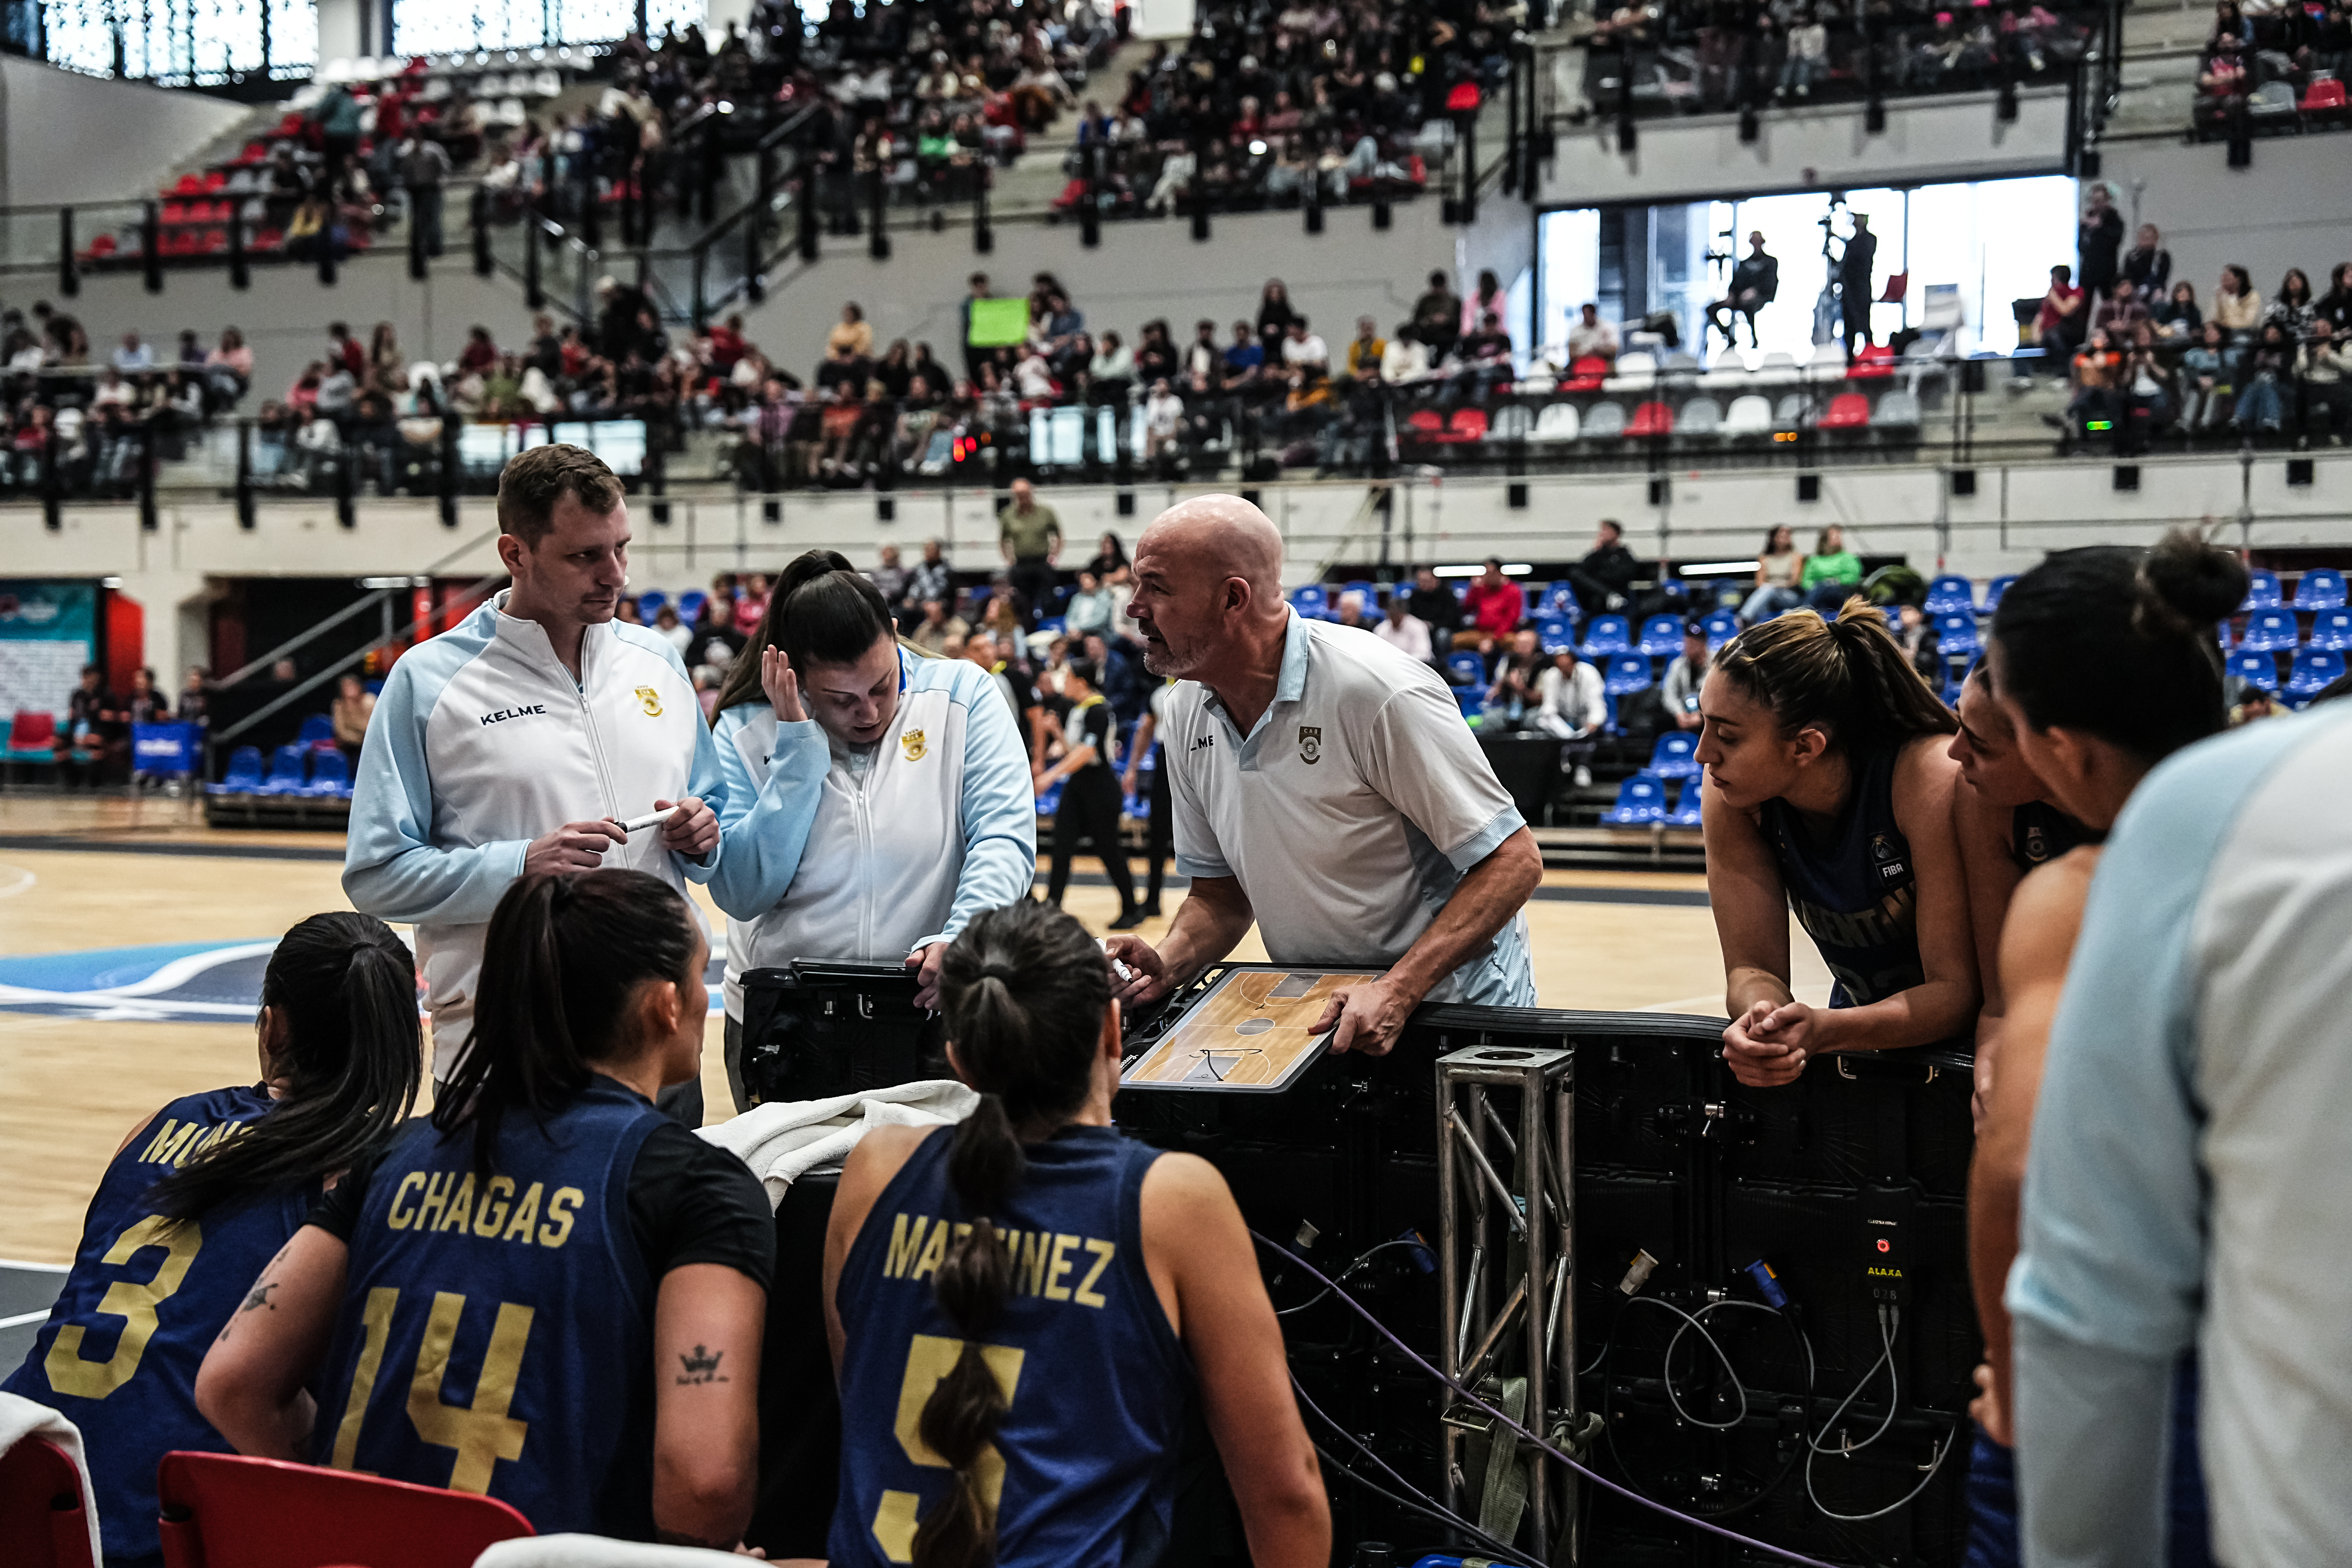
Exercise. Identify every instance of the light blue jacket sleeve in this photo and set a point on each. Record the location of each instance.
(2107, 1285)
(704, 781)
(392, 867)
(999, 811)
(764, 829)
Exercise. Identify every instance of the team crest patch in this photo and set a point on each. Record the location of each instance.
(914, 745)
(650, 701)
(1310, 744)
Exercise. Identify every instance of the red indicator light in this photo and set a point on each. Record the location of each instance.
(1883, 1247)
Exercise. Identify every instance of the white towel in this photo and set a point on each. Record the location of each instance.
(596, 1552)
(21, 1419)
(786, 1142)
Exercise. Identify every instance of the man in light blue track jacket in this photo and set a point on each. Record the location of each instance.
(519, 739)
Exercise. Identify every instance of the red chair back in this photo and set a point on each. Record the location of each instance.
(224, 1510)
(1651, 419)
(41, 1514)
(1847, 411)
(1468, 425)
(32, 730)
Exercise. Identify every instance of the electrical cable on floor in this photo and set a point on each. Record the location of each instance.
(1539, 1442)
(1516, 1558)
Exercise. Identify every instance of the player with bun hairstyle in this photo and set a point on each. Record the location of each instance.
(1828, 792)
(876, 799)
(548, 1291)
(204, 1192)
(1021, 1308)
(2104, 662)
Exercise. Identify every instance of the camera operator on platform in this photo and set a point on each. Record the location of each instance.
(1324, 786)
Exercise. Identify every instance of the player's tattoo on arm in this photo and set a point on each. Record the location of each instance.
(258, 1296)
(699, 1366)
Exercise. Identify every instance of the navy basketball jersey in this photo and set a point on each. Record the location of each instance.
(119, 1352)
(1852, 888)
(496, 1333)
(2040, 833)
(1082, 1465)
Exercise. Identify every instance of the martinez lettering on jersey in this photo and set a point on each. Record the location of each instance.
(1043, 1261)
(441, 1201)
(177, 1143)
(503, 714)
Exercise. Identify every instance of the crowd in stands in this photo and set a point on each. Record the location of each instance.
(94, 411)
(1714, 55)
(2146, 359)
(2266, 65)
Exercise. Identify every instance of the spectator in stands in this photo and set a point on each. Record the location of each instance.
(1605, 576)
(2098, 374)
(353, 706)
(1351, 612)
(1245, 360)
(229, 369)
(1832, 571)
(2292, 310)
(2262, 401)
(1109, 562)
(932, 578)
(889, 578)
(1917, 636)
(1485, 360)
(1091, 607)
(1780, 571)
(1512, 695)
(96, 731)
(2148, 264)
(1590, 337)
(1402, 629)
(1274, 316)
(938, 628)
(2097, 239)
(673, 631)
(1437, 316)
(1495, 604)
(1754, 283)
(2177, 318)
(1365, 350)
(1685, 676)
(134, 356)
(2063, 318)
(1029, 537)
(2208, 380)
(1806, 62)
(2320, 371)
(2335, 307)
(195, 700)
(1404, 361)
(1572, 707)
(2119, 311)
(2237, 304)
(1163, 420)
(2149, 395)
(1857, 268)
(1437, 607)
(1304, 351)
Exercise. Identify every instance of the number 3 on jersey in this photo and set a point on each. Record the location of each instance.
(482, 1432)
(135, 1304)
(929, 1359)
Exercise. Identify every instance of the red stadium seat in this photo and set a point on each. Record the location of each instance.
(1651, 420)
(1463, 98)
(223, 1509)
(1468, 425)
(41, 1514)
(1586, 375)
(1873, 362)
(1847, 411)
(1424, 425)
(215, 180)
(2325, 99)
(187, 186)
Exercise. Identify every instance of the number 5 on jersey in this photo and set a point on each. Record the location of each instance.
(482, 1432)
(929, 1359)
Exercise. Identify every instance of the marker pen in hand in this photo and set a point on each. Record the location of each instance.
(650, 819)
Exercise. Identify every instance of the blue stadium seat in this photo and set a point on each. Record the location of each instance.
(1685, 813)
(2270, 631)
(2262, 591)
(1950, 592)
(1050, 799)
(650, 603)
(1311, 602)
(1995, 589)
(1139, 806)
(1957, 633)
(287, 772)
(1472, 700)
(1674, 756)
(689, 604)
(318, 727)
(1641, 800)
(1465, 667)
(2255, 669)
(330, 777)
(1555, 632)
(1623, 673)
(2332, 630)
(1721, 627)
(2313, 668)
(1561, 597)
(1662, 636)
(1053, 624)
(244, 775)
(2322, 588)
(1607, 635)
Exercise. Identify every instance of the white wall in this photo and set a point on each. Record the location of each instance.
(2018, 513)
(66, 137)
(2292, 208)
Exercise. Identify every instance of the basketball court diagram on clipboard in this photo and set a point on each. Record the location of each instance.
(1252, 1030)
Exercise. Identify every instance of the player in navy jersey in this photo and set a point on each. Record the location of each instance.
(549, 1291)
(202, 1195)
(1022, 1307)
(2007, 829)
(1829, 793)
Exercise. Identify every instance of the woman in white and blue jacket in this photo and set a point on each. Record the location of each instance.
(876, 801)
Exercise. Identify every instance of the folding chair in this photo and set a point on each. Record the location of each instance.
(225, 1509)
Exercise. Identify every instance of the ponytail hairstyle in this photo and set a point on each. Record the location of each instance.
(1025, 989)
(352, 1054)
(565, 950)
(822, 611)
(2118, 642)
(1848, 677)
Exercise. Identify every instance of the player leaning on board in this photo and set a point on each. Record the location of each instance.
(522, 739)
(1325, 787)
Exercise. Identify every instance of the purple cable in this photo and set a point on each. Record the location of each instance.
(1596, 1479)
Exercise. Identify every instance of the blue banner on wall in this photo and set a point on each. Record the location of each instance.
(45, 611)
(48, 630)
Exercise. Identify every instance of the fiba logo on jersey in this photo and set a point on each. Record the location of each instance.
(1883, 854)
(2037, 845)
(1310, 743)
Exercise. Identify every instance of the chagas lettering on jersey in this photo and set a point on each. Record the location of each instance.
(444, 1200)
(177, 1143)
(1043, 1261)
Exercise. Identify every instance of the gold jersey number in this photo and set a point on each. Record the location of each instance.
(135, 1304)
(929, 1359)
(481, 1433)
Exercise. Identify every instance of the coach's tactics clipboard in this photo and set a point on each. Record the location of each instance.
(1252, 1031)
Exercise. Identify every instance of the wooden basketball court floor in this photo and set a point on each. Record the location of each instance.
(83, 875)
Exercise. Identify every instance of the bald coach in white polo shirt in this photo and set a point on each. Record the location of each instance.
(1325, 787)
